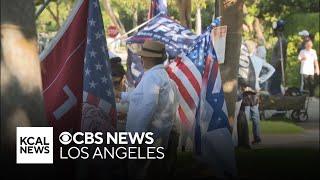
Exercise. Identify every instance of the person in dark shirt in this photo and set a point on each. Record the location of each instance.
(279, 53)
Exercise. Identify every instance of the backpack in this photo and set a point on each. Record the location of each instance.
(246, 73)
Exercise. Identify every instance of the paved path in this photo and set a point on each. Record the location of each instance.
(313, 110)
(308, 139)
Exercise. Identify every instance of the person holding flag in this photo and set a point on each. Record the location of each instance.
(152, 108)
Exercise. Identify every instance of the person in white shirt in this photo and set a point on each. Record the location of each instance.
(309, 66)
(250, 92)
(252, 95)
(261, 50)
(152, 108)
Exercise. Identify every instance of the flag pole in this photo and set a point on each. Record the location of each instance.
(134, 29)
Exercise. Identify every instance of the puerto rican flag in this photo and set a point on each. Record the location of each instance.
(76, 76)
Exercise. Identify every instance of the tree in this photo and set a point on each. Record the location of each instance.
(184, 7)
(197, 5)
(21, 87)
(232, 16)
(55, 15)
(115, 20)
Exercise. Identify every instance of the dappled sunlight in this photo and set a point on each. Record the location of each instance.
(20, 58)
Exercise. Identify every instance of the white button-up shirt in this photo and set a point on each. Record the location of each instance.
(152, 104)
(307, 66)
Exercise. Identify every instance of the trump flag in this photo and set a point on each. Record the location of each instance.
(176, 37)
(76, 75)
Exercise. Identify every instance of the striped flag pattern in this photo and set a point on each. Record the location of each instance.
(188, 79)
(187, 72)
(198, 79)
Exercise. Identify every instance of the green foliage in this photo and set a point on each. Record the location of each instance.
(281, 8)
(277, 127)
(46, 21)
(294, 24)
(298, 14)
(300, 21)
(293, 65)
(207, 12)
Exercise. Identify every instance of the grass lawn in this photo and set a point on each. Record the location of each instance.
(278, 127)
(260, 163)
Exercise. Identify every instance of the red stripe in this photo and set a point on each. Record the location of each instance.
(183, 117)
(185, 94)
(215, 68)
(189, 75)
(92, 100)
(113, 115)
(206, 70)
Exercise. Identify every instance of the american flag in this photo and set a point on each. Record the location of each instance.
(156, 7)
(198, 79)
(134, 68)
(98, 111)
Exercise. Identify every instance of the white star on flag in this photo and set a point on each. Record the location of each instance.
(98, 67)
(92, 22)
(104, 79)
(98, 35)
(93, 53)
(108, 92)
(92, 84)
(88, 41)
(87, 72)
(95, 4)
(103, 48)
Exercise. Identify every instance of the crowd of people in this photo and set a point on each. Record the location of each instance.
(254, 72)
(150, 104)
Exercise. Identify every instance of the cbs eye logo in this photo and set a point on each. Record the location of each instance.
(65, 138)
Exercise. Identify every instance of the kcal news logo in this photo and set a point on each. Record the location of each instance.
(34, 145)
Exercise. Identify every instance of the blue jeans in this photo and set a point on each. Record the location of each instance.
(252, 112)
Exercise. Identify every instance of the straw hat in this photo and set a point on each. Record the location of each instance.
(152, 49)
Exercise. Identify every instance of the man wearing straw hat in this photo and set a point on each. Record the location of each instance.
(152, 108)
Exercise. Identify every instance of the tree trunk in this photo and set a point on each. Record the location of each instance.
(232, 17)
(185, 12)
(115, 20)
(258, 30)
(198, 21)
(217, 8)
(135, 16)
(21, 87)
